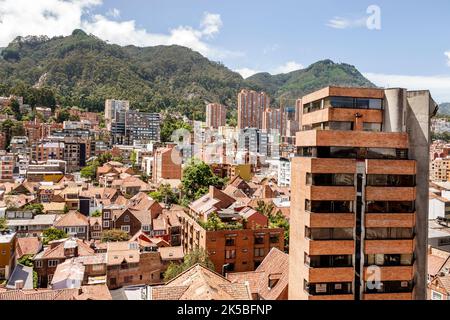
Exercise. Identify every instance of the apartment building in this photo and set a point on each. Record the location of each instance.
(112, 106)
(251, 105)
(166, 164)
(359, 207)
(274, 120)
(7, 253)
(216, 115)
(6, 166)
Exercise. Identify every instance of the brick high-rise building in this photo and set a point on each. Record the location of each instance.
(359, 210)
(251, 105)
(274, 119)
(216, 115)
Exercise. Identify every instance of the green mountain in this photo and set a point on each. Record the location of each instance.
(444, 109)
(298, 83)
(84, 70)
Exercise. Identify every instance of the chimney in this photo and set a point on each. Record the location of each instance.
(18, 284)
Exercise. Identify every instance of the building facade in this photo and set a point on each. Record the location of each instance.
(359, 208)
(216, 115)
(251, 105)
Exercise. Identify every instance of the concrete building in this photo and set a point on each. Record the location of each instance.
(274, 119)
(6, 166)
(216, 115)
(359, 206)
(166, 164)
(7, 253)
(112, 106)
(251, 105)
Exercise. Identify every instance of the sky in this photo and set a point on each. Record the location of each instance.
(393, 43)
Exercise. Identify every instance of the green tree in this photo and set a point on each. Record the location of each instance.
(165, 194)
(198, 256)
(15, 108)
(26, 260)
(3, 224)
(52, 234)
(265, 208)
(197, 177)
(62, 116)
(133, 158)
(38, 208)
(114, 236)
(96, 214)
(170, 125)
(90, 171)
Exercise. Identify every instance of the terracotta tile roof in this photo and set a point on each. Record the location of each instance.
(275, 266)
(95, 220)
(21, 295)
(200, 283)
(119, 252)
(159, 224)
(54, 206)
(145, 217)
(94, 292)
(73, 218)
(435, 264)
(58, 251)
(171, 253)
(27, 246)
(141, 201)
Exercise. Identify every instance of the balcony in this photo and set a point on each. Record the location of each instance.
(391, 167)
(362, 139)
(390, 220)
(330, 247)
(390, 193)
(392, 273)
(389, 246)
(330, 193)
(338, 114)
(388, 296)
(330, 220)
(320, 275)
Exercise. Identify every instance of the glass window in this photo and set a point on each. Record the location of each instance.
(374, 127)
(339, 125)
(341, 102)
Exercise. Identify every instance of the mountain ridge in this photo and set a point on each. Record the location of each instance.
(84, 70)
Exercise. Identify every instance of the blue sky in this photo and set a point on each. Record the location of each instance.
(409, 49)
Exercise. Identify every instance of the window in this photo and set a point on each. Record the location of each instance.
(38, 263)
(339, 125)
(329, 206)
(81, 230)
(259, 252)
(274, 238)
(374, 127)
(389, 233)
(105, 224)
(390, 180)
(329, 261)
(389, 259)
(338, 179)
(146, 228)
(329, 233)
(98, 267)
(126, 218)
(436, 295)
(230, 254)
(230, 242)
(52, 263)
(390, 207)
(259, 239)
(125, 228)
(106, 215)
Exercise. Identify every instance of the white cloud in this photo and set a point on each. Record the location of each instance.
(61, 17)
(344, 23)
(247, 72)
(288, 67)
(438, 85)
(447, 54)
(113, 13)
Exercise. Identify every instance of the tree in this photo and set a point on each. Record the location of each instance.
(15, 108)
(114, 236)
(37, 208)
(265, 208)
(90, 172)
(165, 194)
(198, 256)
(27, 261)
(96, 214)
(133, 158)
(3, 224)
(197, 177)
(170, 125)
(52, 234)
(62, 116)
